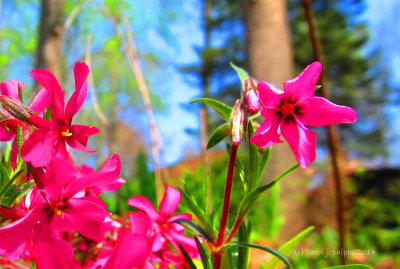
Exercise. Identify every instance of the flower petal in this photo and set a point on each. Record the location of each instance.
(6, 135)
(123, 257)
(267, 135)
(170, 201)
(301, 140)
(87, 217)
(15, 236)
(81, 71)
(50, 83)
(109, 172)
(270, 96)
(319, 111)
(303, 86)
(10, 88)
(41, 101)
(144, 204)
(38, 148)
(80, 136)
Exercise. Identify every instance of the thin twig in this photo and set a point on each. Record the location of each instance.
(131, 54)
(333, 141)
(92, 89)
(74, 13)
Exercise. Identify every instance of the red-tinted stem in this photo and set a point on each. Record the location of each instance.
(235, 228)
(225, 208)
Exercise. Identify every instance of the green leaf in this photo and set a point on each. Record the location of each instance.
(222, 109)
(204, 258)
(244, 253)
(349, 266)
(10, 181)
(288, 247)
(254, 159)
(187, 257)
(250, 198)
(243, 75)
(274, 252)
(21, 99)
(192, 205)
(219, 134)
(194, 228)
(264, 162)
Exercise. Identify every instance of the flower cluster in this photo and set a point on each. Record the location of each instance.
(62, 222)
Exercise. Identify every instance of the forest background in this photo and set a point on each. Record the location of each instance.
(182, 49)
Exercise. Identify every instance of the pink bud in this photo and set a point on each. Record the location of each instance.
(251, 96)
(238, 122)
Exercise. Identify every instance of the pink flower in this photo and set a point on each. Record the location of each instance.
(163, 225)
(287, 112)
(57, 207)
(39, 103)
(50, 139)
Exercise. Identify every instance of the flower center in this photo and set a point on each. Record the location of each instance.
(287, 109)
(65, 132)
(56, 210)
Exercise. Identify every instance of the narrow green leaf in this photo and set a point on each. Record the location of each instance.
(9, 183)
(349, 266)
(219, 134)
(187, 257)
(244, 253)
(194, 228)
(254, 159)
(11, 195)
(288, 247)
(21, 99)
(274, 252)
(222, 109)
(264, 162)
(250, 198)
(243, 75)
(203, 254)
(192, 205)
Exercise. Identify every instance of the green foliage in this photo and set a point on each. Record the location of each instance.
(223, 110)
(288, 247)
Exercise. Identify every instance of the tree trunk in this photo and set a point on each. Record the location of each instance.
(270, 58)
(51, 36)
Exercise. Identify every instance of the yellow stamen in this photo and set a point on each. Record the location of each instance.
(58, 212)
(66, 133)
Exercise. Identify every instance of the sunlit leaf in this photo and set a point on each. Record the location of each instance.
(223, 110)
(219, 134)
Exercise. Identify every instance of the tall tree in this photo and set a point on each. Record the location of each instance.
(51, 36)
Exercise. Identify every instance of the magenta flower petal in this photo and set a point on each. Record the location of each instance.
(303, 86)
(38, 148)
(81, 71)
(6, 135)
(50, 252)
(10, 88)
(123, 256)
(86, 217)
(144, 204)
(139, 222)
(50, 83)
(269, 95)
(170, 201)
(104, 176)
(319, 111)
(267, 135)
(80, 136)
(41, 101)
(177, 226)
(58, 173)
(14, 154)
(15, 236)
(302, 141)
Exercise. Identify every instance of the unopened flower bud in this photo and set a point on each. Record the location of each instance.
(238, 122)
(15, 108)
(251, 95)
